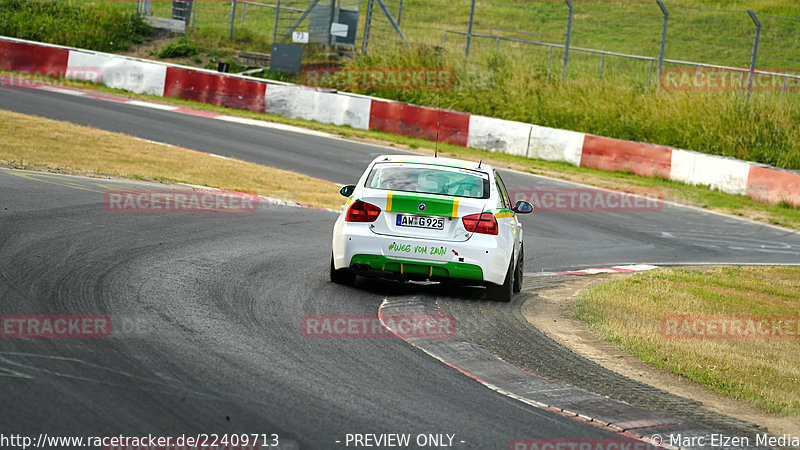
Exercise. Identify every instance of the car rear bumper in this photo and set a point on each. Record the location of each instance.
(417, 269)
(479, 259)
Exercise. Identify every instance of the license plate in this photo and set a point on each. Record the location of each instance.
(432, 223)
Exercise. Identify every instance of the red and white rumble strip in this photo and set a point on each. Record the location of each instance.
(614, 269)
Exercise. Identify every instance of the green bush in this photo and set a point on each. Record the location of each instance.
(94, 26)
(178, 48)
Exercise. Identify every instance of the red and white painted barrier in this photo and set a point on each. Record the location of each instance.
(770, 185)
(499, 135)
(617, 156)
(763, 183)
(725, 174)
(31, 57)
(419, 121)
(552, 144)
(300, 102)
(117, 72)
(214, 89)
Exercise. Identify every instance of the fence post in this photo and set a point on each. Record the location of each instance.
(277, 16)
(783, 91)
(392, 22)
(138, 6)
(331, 19)
(244, 11)
(400, 13)
(233, 18)
(663, 38)
(194, 12)
(367, 26)
(755, 52)
(469, 27)
(602, 63)
(566, 42)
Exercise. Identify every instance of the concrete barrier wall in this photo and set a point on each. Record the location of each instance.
(419, 121)
(552, 144)
(32, 58)
(117, 72)
(763, 183)
(300, 102)
(770, 185)
(624, 156)
(499, 135)
(726, 175)
(214, 89)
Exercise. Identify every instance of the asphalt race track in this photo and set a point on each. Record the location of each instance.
(210, 305)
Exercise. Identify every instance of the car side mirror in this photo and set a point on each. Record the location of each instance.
(522, 207)
(347, 191)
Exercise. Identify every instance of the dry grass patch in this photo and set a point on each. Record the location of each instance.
(763, 371)
(32, 142)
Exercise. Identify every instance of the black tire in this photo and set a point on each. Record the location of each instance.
(504, 292)
(519, 270)
(342, 276)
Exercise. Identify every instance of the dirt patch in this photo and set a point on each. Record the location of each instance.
(551, 311)
(159, 40)
(147, 49)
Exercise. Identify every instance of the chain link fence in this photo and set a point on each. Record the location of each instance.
(631, 40)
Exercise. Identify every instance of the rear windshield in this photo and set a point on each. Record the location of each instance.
(429, 180)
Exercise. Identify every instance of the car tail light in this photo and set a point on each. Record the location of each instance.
(483, 223)
(362, 212)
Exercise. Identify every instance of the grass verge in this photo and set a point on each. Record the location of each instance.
(42, 144)
(765, 372)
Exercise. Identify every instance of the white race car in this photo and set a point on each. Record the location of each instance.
(429, 218)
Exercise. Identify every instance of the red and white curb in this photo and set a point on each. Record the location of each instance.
(477, 363)
(631, 268)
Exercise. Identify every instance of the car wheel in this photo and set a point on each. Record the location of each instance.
(503, 292)
(342, 276)
(518, 272)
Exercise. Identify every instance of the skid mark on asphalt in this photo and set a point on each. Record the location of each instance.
(34, 363)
